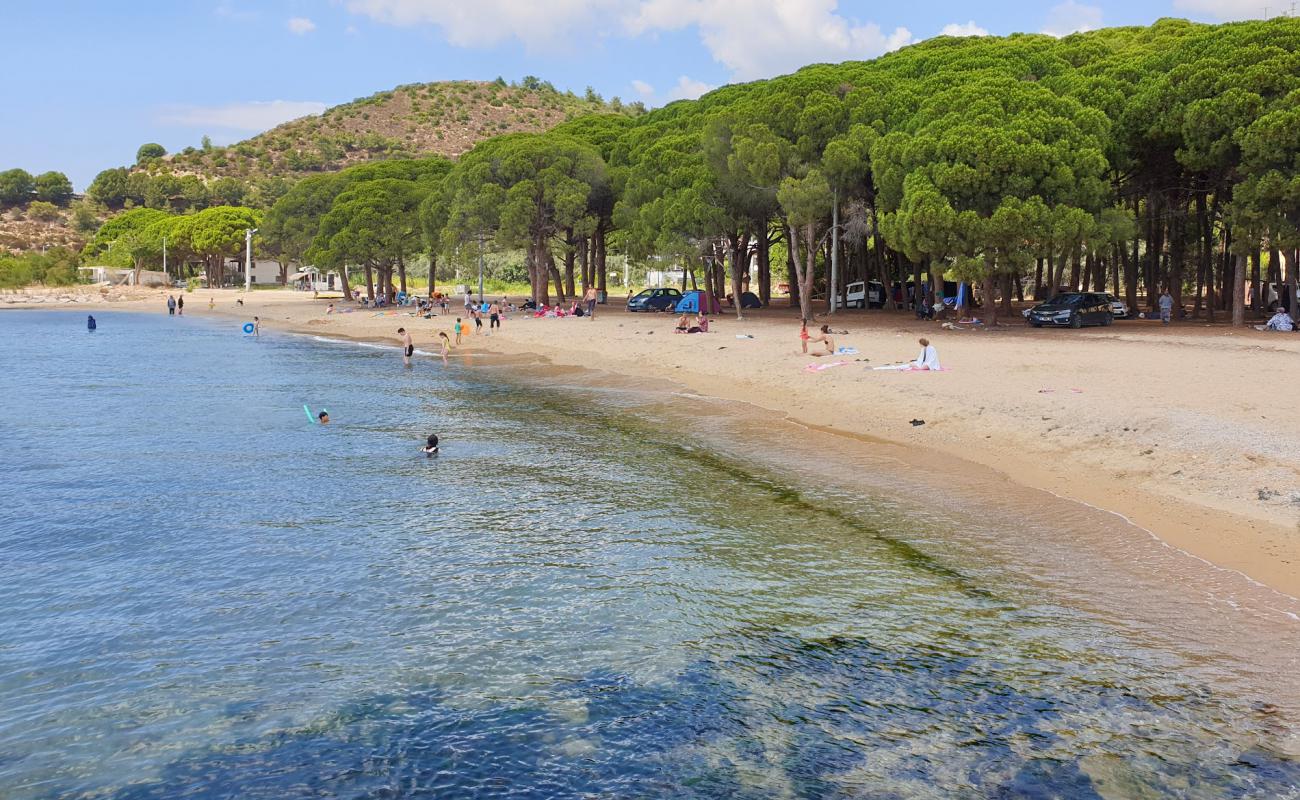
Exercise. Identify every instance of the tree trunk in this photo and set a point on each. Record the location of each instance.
(370, 282)
(764, 266)
(1038, 279)
(1206, 223)
(1256, 290)
(1293, 281)
(1074, 267)
(433, 270)
(598, 259)
(343, 282)
(1239, 291)
(554, 272)
(990, 299)
(401, 272)
(570, 256)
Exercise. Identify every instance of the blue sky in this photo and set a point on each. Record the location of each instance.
(89, 81)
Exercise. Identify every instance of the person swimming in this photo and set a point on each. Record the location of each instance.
(431, 446)
(323, 417)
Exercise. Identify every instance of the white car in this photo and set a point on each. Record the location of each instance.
(1118, 309)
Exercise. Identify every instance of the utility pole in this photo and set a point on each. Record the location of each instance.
(248, 258)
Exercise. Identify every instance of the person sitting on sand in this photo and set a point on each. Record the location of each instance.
(929, 358)
(824, 337)
(1280, 321)
(702, 322)
(430, 446)
(683, 324)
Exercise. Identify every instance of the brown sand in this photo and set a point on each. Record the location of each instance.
(1189, 431)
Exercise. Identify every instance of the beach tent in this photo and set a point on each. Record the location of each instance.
(698, 302)
(750, 300)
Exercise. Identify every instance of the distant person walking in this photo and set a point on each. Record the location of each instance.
(1166, 307)
(180, 305)
(590, 298)
(408, 346)
(171, 306)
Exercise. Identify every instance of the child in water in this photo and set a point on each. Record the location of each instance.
(431, 446)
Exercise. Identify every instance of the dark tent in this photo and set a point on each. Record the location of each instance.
(750, 300)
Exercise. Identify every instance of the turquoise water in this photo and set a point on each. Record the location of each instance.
(582, 596)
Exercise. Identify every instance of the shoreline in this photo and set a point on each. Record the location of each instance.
(1202, 520)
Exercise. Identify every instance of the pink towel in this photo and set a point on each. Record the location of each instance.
(820, 367)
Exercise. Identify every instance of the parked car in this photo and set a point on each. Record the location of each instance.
(1073, 310)
(654, 300)
(1118, 308)
(864, 294)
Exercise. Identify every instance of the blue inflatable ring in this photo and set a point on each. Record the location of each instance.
(248, 327)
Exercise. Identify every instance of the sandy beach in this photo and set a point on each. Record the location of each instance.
(1187, 431)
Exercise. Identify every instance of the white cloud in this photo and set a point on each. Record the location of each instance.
(761, 38)
(487, 22)
(1229, 9)
(1071, 17)
(688, 89)
(752, 38)
(645, 90)
(301, 25)
(965, 29)
(252, 116)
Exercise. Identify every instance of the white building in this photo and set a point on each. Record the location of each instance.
(264, 273)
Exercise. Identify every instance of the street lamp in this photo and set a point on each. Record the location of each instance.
(248, 258)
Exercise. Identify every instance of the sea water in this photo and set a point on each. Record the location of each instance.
(592, 591)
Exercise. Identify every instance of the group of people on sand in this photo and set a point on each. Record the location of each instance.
(927, 360)
(586, 307)
(699, 323)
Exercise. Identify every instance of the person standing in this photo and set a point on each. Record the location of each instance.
(590, 298)
(469, 302)
(408, 346)
(458, 327)
(1166, 307)
(478, 320)
(180, 305)
(171, 306)
(257, 326)
(212, 303)
(494, 316)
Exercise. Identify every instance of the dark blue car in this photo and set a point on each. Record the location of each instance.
(654, 300)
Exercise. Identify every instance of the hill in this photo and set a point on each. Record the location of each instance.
(445, 118)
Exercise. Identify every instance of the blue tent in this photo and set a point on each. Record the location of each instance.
(697, 302)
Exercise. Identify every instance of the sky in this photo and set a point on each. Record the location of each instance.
(87, 82)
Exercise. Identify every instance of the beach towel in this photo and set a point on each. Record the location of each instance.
(907, 368)
(829, 365)
(847, 351)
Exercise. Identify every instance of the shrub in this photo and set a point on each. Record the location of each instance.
(43, 211)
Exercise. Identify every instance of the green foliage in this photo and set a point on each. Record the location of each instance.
(149, 151)
(53, 187)
(16, 186)
(43, 211)
(55, 267)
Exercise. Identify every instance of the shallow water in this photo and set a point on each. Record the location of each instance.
(597, 589)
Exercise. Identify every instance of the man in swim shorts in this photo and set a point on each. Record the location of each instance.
(408, 346)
